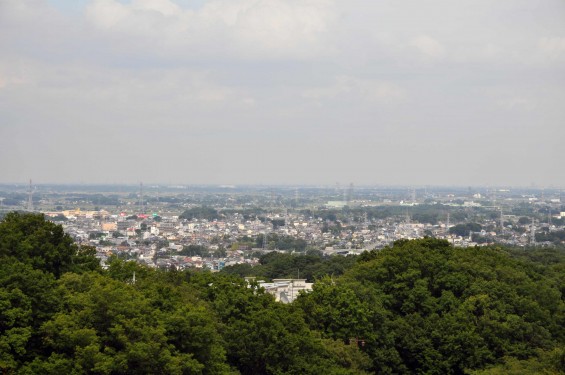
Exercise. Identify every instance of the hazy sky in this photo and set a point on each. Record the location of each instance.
(411, 92)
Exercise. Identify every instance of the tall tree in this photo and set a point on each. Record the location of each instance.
(44, 245)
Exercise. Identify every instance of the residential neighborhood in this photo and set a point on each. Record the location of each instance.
(213, 228)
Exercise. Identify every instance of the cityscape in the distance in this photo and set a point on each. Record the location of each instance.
(211, 227)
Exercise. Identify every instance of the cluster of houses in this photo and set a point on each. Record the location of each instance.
(170, 241)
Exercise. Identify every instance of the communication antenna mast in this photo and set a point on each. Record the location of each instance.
(447, 225)
(30, 197)
(501, 222)
(533, 233)
(141, 198)
(413, 195)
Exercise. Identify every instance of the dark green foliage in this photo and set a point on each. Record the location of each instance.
(556, 237)
(241, 270)
(194, 250)
(524, 220)
(277, 223)
(541, 255)
(312, 266)
(31, 239)
(475, 237)
(265, 337)
(464, 229)
(207, 213)
(426, 307)
(281, 242)
(59, 217)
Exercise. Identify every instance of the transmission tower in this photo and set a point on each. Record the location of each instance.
(30, 197)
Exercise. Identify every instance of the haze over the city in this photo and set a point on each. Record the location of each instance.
(283, 92)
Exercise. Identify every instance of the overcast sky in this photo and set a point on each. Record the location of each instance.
(403, 92)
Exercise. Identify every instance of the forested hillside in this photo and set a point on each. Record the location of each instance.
(418, 307)
(425, 307)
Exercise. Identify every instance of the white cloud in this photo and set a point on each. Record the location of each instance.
(552, 48)
(106, 94)
(238, 78)
(236, 28)
(428, 47)
(357, 89)
(517, 103)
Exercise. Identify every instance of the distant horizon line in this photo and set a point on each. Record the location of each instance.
(288, 185)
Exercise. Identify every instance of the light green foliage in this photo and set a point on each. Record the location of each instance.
(27, 299)
(110, 327)
(543, 363)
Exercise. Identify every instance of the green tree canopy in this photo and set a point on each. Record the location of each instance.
(428, 307)
(44, 245)
(204, 212)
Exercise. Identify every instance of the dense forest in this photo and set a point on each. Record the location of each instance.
(419, 306)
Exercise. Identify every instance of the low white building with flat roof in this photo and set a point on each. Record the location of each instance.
(286, 290)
